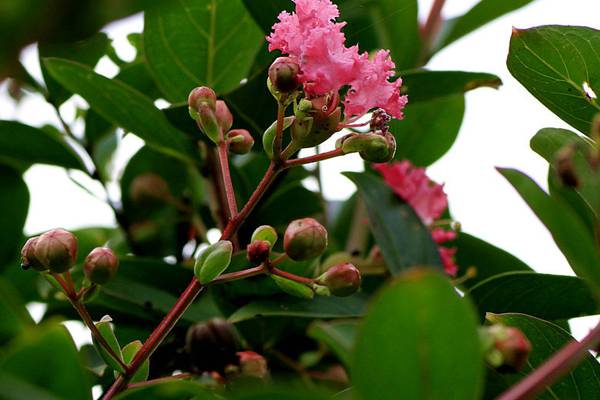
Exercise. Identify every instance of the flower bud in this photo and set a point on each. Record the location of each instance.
(101, 265)
(293, 288)
(372, 147)
(240, 141)
(258, 251)
(202, 95)
(28, 258)
(283, 74)
(265, 232)
(224, 117)
(211, 345)
(565, 167)
(304, 238)
(506, 347)
(253, 365)
(208, 123)
(213, 261)
(56, 250)
(147, 190)
(342, 280)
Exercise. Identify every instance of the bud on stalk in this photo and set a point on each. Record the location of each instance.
(258, 251)
(240, 141)
(202, 95)
(283, 75)
(211, 345)
(223, 115)
(213, 261)
(342, 280)
(293, 288)
(304, 239)
(56, 250)
(101, 265)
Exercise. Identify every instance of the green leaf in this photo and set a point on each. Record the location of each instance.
(405, 242)
(548, 142)
(418, 341)
(129, 352)
(87, 52)
(550, 297)
(46, 359)
(106, 330)
(568, 231)
(488, 260)
(555, 64)
(23, 145)
(429, 129)
(424, 85)
(319, 307)
(191, 43)
(265, 12)
(14, 205)
(174, 390)
(546, 339)
(293, 288)
(483, 12)
(338, 336)
(124, 106)
(15, 318)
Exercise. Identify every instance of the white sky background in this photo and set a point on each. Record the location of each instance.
(495, 132)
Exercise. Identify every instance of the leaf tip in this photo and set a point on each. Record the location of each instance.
(516, 32)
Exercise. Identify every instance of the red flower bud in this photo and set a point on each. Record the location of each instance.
(283, 74)
(101, 265)
(258, 251)
(224, 117)
(253, 364)
(28, 258)
(149, 190)
(240, 141)
(514, 347)
(304, 238)
(56, 250)
(341, 280)
(202, 95)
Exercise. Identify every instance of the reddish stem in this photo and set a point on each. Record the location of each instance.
(278, 132)
(554, 368)
(234, 276)
(290, 276)
(160, 380)
(433, 21)
(316, 158)
(226, 177)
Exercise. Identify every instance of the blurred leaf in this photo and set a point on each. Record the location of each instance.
(546, 339)
(23, 145)
(429, 129)
(46, 359)
(174, 390)
(569, 233)
(107, 332)
(123, 106)
(483, 12)
(339, 336)
(14, 205)
(405, 242)
(16, 388)
(265, 12)
(550, 297)
(424, 85)
(129, 352)
(15, 318)
(319, 307)
(87, 52)
(548, 142)
(419, 341)
(290, 391)
(488, 260)
(555, 64)
(194, 42)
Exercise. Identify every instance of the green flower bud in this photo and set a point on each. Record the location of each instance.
(223, 115)
(316, 120)
(371, 146)
(56, 250)
(101, 265)
(202, 95)
(342, 280)
(293, 288)
(211, 345)
(149, 190)
(213, 261)
(28, 258)
(208, 123)
(265, 232)
(304, 238)
(269, 136)
(240, 141)
(283, 74)
(258, 251)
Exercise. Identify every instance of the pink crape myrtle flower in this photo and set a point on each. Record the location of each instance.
(316, 42)
(428, 200)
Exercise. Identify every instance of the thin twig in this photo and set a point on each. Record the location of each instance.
(160, 380)
(315, 158)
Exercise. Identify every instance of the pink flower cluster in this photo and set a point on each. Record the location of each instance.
(311, 36)
(426, 197)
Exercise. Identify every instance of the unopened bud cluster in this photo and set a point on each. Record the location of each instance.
(215, 120)
(213, 261)
(56, 252)
(262, 241)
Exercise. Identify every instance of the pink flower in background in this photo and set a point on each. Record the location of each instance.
(311, 36)
(426, 197)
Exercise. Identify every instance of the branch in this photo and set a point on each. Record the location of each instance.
(278, 132)
(553, 369)
(433, 21)
(312, 159)
(226, 178)
(160, 380)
